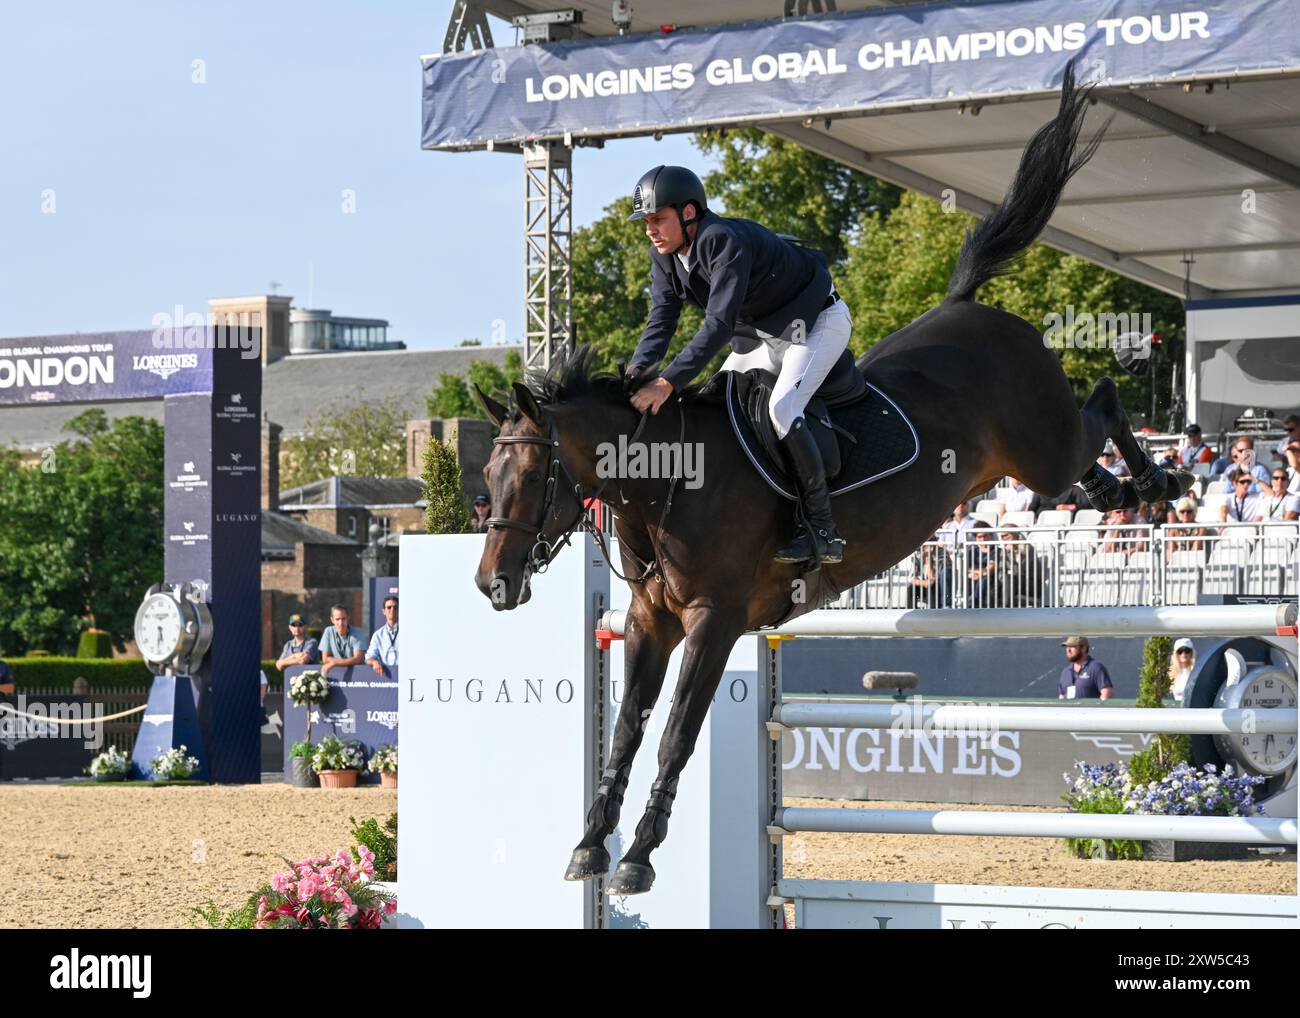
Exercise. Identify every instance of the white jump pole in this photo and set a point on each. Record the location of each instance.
(1012, 623)
(914, 717)
(1234, 830)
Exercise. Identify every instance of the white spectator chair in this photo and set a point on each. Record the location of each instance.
(1217, 487)
(1135, 584)
(991, 518)
(987, 505)
(1088, 518)
(1214, 499)
(1003, 492)
(1207, 515)
(1101, 583)
(1069, 587)
(1266, 568)
(1183, 576)
(1223, 571)
(1054, 518)
(1238, 533)
(1202, 469)
(1019, 518)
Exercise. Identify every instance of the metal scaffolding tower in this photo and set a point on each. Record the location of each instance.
(548, 252)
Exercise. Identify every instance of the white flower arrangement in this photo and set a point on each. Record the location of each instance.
(307, 688)
(384, 760)
(174, 765)
(111, 765)
(333, 754)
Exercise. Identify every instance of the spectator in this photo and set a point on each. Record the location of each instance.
(1279, 504)
(6, 679)
(1180, 667)
(981, 561)
(1243, 461)
(1292, 426)
(1016, 499)
(1084, 678)
(1111, 461)
(929, 588)
(960, 521)
(1122, 535)
(482, 510)
(1072, 499)
(1194, 450)
(342, 645)
(263, 683)
(1293, 467)
(1018, 577)
(382, 653)
(1183, 534)
(299, 649)
(1242, 506)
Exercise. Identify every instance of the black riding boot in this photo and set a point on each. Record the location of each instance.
(810, 475)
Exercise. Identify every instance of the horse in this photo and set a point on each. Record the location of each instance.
(985, 394)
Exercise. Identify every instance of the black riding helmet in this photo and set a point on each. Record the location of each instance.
(668, 187)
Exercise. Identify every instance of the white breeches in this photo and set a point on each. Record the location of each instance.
(800, 367)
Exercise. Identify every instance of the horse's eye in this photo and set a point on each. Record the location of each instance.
(532, 477)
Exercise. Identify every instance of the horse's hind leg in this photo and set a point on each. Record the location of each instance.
(649, 642)
(708, 644)
(1103, 413)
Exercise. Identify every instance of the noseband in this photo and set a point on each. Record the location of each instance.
(541, 554)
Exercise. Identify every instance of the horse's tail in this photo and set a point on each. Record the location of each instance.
(1048, 162)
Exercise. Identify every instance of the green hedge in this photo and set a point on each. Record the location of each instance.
(59, 673)
(95, 643)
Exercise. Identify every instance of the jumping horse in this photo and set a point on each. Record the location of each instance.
(987, 399)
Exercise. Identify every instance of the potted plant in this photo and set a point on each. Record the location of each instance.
(174, 765)
(322, 894)
(307, 689)
(337, 762)
(301, 775)
(384, 763)
(110, 765)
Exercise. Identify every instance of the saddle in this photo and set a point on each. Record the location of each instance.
(862, 434)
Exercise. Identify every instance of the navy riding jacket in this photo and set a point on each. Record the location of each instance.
(745, 277)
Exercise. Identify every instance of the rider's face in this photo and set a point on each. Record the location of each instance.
(664, 230)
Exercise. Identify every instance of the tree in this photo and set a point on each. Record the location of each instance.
(792, 190)
(452, 397)
(82, 538)
(899, 269)
(442, 490)
(367, 439)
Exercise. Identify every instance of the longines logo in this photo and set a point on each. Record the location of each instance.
(519, 691)
(164, 365)
(234, 409)
(387, 718)
(188, 479)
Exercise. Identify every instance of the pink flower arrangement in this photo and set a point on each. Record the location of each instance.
(321, 893)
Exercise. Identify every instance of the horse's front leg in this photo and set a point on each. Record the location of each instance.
(649, 640)
(710, 635)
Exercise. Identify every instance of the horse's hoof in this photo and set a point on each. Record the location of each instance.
(587, 864)
(631, 878)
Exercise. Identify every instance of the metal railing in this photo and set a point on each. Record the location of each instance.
(1080, 566)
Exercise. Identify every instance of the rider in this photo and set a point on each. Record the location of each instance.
(772, 300)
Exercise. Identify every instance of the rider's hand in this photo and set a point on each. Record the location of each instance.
(651, 397)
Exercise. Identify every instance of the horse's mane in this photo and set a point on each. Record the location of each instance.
(570, 377)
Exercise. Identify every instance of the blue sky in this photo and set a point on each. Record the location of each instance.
(126, 188)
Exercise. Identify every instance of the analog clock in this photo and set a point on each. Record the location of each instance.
(1259, 688)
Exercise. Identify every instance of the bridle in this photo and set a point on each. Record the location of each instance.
(542, 552)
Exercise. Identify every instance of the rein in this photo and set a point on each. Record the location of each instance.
(542, 552)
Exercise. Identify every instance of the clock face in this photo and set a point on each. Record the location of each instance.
(158, 628)
(1264, 753)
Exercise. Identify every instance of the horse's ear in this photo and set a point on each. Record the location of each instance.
(495, 411)
(527, 403)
